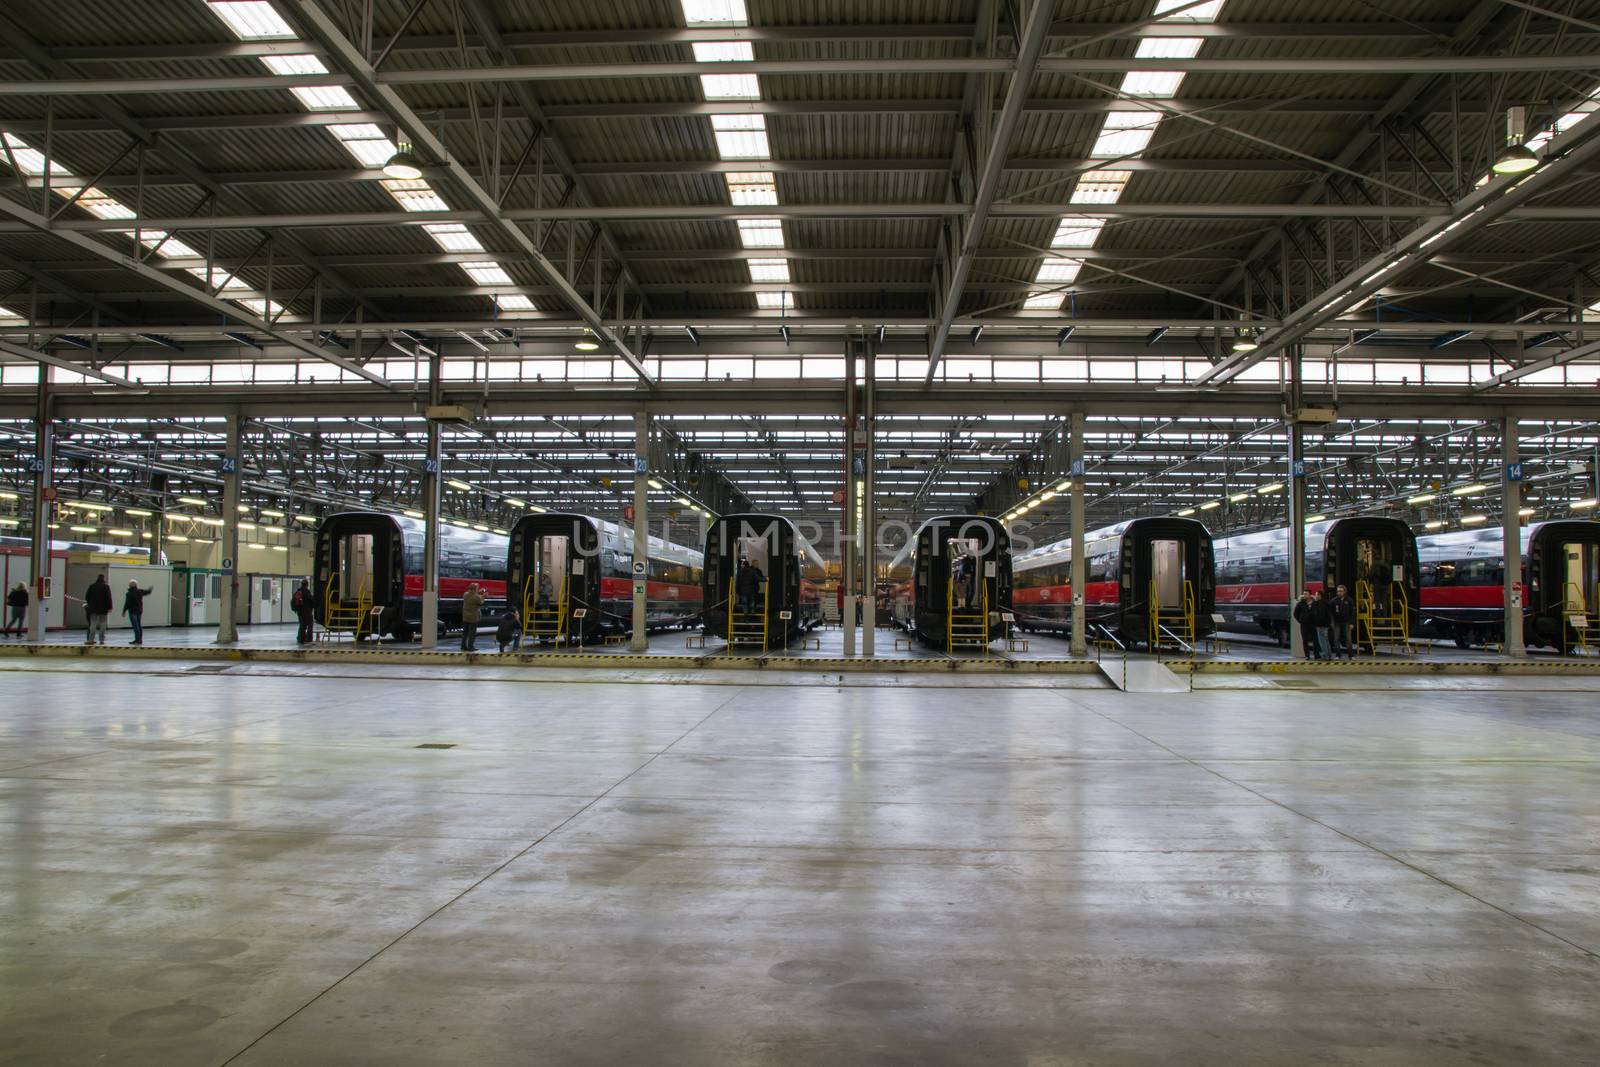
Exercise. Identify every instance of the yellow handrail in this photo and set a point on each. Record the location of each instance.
(735, 635)
(334, 613)
(534, 618)
(981, 634)
(1183, 617)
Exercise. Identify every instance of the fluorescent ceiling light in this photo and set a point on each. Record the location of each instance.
(515, 502)
(1236, 497)
(196, 501)
(1185, 513)
(415, 515)
(1473, 520)
(1268, 490)
(1469, 490)
(454, 484)
(1421, 498)
(1210, 505)
(138, 512)
(1433, 525)
(1582, 505)
(1316, 518)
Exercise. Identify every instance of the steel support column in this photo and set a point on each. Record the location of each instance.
(1080, 562)
(227, 628)
(641, 531)
(1511, 534)
(1296, 498)
(432, 482)
(847, 543)
(866, 511)
(43, 472)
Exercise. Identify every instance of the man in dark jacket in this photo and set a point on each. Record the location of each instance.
(304, 610)
(17, 614)
(97, 605)
(1343, 610)
(1321, 619)
(747, 585)
(1308, 634)
(133, 608)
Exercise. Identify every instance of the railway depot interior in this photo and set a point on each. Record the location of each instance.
(766, 531)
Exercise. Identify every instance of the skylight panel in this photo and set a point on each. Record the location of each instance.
(29, 160)
(286, 65)
(1054, 271)
(371, 153)
(357, 131)
(730, 86)
(160, 242)
(414, 194)
(769, 270)
(325, 98)
(752, 189)
(1152, 82)
(1168, 47)
(774, 301)
(1203, 13)
(514, 302)
(1100, 186)
(723, 52)
(221, 279)
(263, 308)
(741, 136)
(714, 13)
(251, 20)
(453, 237)
(487, 273)
(1077, 233)
(99, 204)
(1125, 133)
(761, 233)
(1043, 302)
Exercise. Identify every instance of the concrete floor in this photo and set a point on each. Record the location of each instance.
(261, 869)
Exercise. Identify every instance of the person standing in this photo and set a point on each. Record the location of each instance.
(17, 610)
(304, 610)
(471, 612)
(1343, 611)
(97, 605)
(1321, 620)
(133, 608)
(1308, 635)
(969, 578)
(547, 590)
(747, 584)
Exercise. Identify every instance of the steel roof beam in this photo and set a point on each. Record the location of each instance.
(1298, 65)
(700, 212)
(346, 57)
(34, 355)
(173, 284)
(1560, 359)
(1563, 158)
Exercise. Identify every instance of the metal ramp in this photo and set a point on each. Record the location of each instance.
(1141, 675)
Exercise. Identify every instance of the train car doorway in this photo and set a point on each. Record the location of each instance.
(356, 579)
(1167, 573)
(1581, 580)
(551, 572)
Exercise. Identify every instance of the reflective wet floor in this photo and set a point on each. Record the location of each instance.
(264, 869)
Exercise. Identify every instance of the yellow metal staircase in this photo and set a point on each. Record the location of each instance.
(1383, 624)
(339, 615)
(547, 623)
(969, 627)
(749, 628)
(1173, 625)
(1580, 621)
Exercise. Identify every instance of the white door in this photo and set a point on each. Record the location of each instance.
(1166, 570)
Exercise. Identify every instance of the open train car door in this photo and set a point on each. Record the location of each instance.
(1167, 568)
(1380, 552)
(360, 566)
(554, 569)
(1563, 575)
(767, 543)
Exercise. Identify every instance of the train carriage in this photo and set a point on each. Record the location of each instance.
(791, 570)
(1374, 557)
(946, 610)
(1463, 590)
(571, 576)
(370, 559)
(1160, 567)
